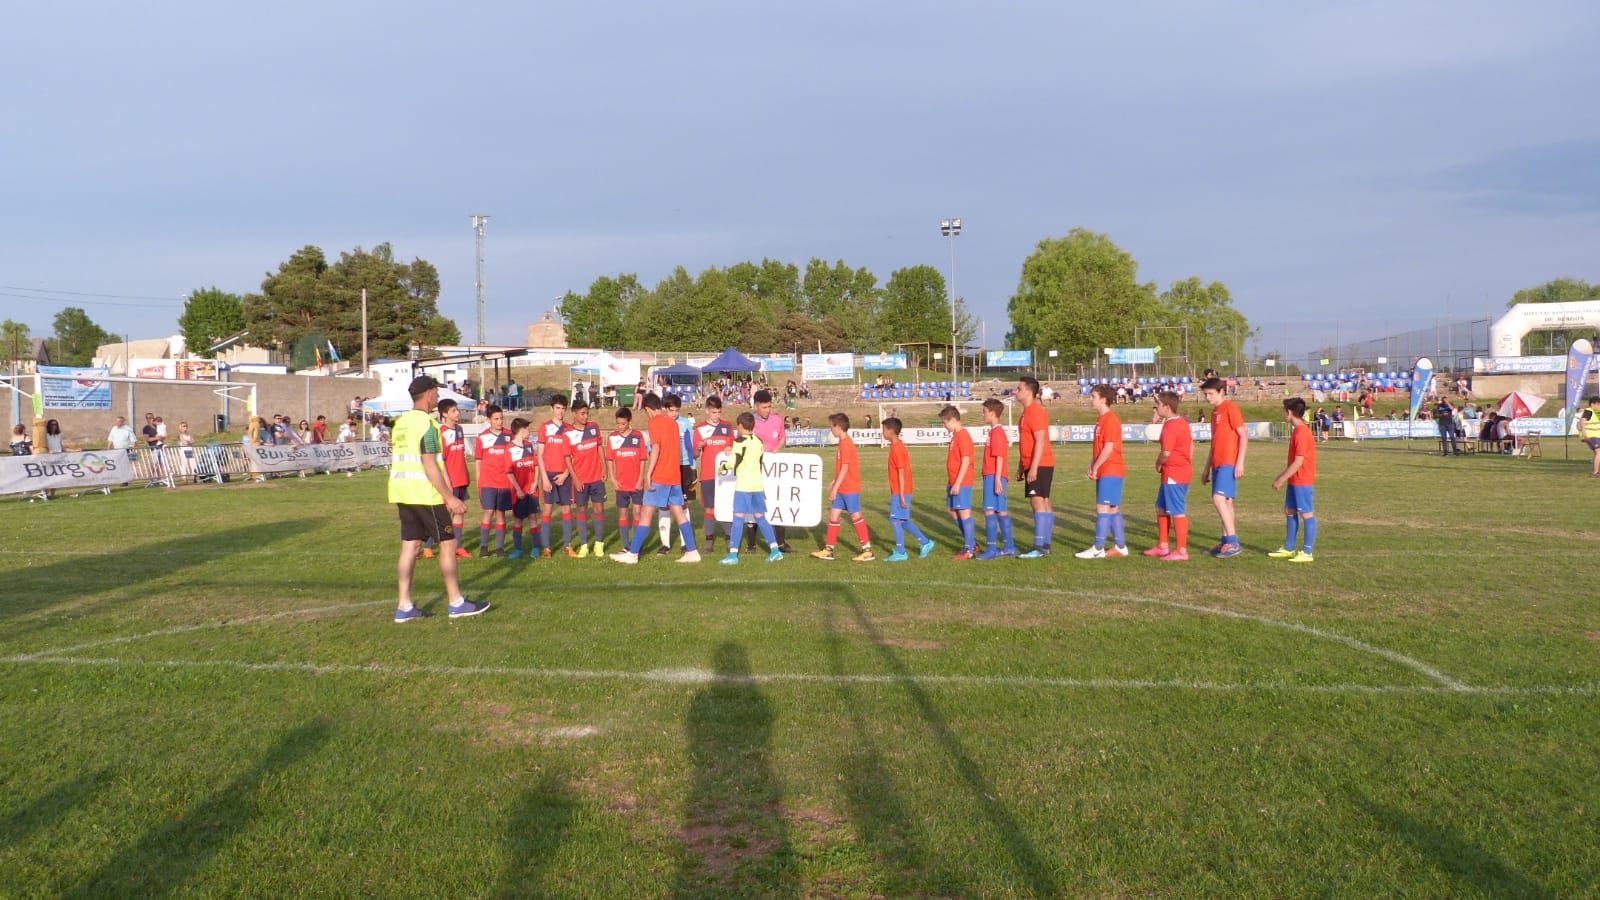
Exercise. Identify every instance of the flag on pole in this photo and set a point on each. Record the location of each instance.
(332, 353)
(318, 351)
(1421, 377)
(1580, 356)
(38, 396)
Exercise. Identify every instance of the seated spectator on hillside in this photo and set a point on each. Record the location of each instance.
(1509, 441)
(347, 431)
(805, 391)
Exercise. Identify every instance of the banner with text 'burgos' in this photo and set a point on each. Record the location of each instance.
(307, 457)
(72, 471)
(793, 482)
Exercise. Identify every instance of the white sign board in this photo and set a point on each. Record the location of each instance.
(794, 489)
(305, 457)
(70, 471)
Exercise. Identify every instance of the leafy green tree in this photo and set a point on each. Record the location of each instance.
(210, 315)
(1079, 294)
(1561, 290)
(77, 337)
(597, 318)
(14, 339)
(1216, 331)
(916, 307)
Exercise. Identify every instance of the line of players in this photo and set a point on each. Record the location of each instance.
(567, 465)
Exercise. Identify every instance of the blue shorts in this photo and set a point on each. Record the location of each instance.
(495, 499)
(850, 503)
(559, 494)
(1174, 498)
(1223, 484)
(1297, 498)
(525, 508)
(748, 502)
(992, 502)
(460, 493)
(591, 492)
(1108, 490)
(626, 499)
(960, 500)
(662, 496)
(900, 506)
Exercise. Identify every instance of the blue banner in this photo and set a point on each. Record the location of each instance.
(884, 361)
(1579, 357)
(79, 392)
(999, 359)
(1132, 356)
(1421, 380)
(783, 363)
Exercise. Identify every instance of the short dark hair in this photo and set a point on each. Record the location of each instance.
(1169, 399)
(444, 407)
(1594, 400)
(519, 423)
(1105, 392)
(1296, 406)
(893, 424)
(1211, 384)
(948, 413)
(625, 414)
(747, 420)
(713, 402)
(492, 410)
(841, 420)
(1031, 383)
(994, 406)
(762, 396)
(579, 404)
(651, 401)
(559, 400)
(672, 401)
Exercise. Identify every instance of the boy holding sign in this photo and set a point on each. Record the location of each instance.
(749, 492)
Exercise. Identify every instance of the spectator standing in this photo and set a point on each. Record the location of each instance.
(52, 437)
(1444, 418)
(319, 431)
(1589, 420)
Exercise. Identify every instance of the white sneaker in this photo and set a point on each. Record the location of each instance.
(1091, 553)
(625, 557)
(693, 556)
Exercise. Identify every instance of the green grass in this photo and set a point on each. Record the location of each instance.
(1412, 715)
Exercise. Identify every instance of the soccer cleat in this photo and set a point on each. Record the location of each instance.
(1157, 551)
(1281, 553)
(1091, 553)
(483, 552)
(1006, 552)
(663, 551)
(545, 553)
(571, 553)
(583, 551)
(732, 559)
(824, 553)
(427, 553)
(514, 554)
(1178, 555)
(776, 555)
(626, 557)
(785, 548)
(708, 543)
(963, 555)
(1116, 551)
(402, 616)
(1213, 551)
(1035, 553)
(864, 556)
(988, 554)
(1302, 556)
(463, 553)
(466, 608)
(599, 549)
(926, 549)
(1229, 551)
(897, 556)
(693, 556)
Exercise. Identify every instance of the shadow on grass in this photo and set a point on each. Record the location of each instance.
(172, 852)
(53, 805)
(538, 825)
(1033, 868)
(135, 572)
(1476, 869)
(735, 834)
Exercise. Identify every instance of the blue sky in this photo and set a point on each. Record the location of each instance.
(1371, 164)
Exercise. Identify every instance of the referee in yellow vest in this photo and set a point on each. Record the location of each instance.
(421, 492)
(1591, 432)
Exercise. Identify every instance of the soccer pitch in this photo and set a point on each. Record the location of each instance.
(204, 694)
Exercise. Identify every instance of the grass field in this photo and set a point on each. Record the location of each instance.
(203, 694)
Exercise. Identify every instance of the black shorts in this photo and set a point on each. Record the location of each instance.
(1039, 487)
(460, 493)
(422, 523)
(688, 479)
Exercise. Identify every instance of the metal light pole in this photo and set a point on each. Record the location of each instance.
(951, 228)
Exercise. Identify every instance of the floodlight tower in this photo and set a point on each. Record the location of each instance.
(951, 228)
(478, 221)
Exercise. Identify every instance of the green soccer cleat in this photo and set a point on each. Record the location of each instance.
(1281, 553)
(1302, 556)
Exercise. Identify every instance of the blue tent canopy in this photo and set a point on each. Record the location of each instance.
(731, 360)
(682, 373)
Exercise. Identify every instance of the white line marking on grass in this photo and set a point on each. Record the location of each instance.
(204, 626)
(701, 676)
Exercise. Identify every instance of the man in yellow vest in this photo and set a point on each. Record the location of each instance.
(1590, 419)
(421, 492)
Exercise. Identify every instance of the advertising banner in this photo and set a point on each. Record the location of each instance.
(1000, 359)
(1131, 356)
(794, 489)
(828, 366)
(1421, 381)
(884, 361)
(306, 457)
(783, 363)
(1579, 358)
(81, 391)
(1498, 365)
(72, 471)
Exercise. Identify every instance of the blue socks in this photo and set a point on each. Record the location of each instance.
(969, 532)
(767, 534)
(916, 532)
(1311, 534)
(1005, 533)
(1044, 525)
(1118, 530)
(1102, 524)
(899, 535)
(991, 530)
(1291, 531)
(687, 530)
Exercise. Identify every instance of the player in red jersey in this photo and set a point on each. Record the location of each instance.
(494, 488)
(958, 468)
(710, 438)
(454, 454)
(555, 474)
(1107, 471)
(1300, 477)
(662, 483)
(844, 495)
(996, 514)
(625, 452)
(1036, 464)
(524, 481)
(589, 479)
(1225, 461)
(1175, 469)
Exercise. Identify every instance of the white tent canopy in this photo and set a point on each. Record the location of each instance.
(393, 404)
(611, 370)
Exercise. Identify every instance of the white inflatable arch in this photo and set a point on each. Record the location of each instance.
(1506, 334)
